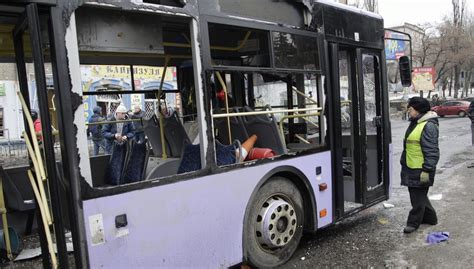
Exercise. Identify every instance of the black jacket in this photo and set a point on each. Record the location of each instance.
(95, 130)
(471, 112)
(109, 130)
(429, 146)
(138, 125)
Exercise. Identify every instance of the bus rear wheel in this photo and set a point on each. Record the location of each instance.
(274, 224)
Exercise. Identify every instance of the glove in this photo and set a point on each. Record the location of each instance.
(424, 177)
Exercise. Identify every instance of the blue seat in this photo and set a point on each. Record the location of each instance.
(136, 162)
(115, 167)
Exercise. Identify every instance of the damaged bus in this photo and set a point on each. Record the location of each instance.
(262, 121)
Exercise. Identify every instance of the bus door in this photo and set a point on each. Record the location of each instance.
(27, 34)
(371, 123)
(357, 81)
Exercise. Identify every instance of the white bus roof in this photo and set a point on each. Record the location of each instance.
(349, 8)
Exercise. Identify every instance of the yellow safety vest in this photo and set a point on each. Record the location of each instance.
(414, 154)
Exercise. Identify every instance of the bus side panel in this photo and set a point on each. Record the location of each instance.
(190, 223)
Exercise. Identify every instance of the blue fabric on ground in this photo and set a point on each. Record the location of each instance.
(113, 174)
(136, 163)
(437, 237)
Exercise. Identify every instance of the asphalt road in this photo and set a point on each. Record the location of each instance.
(374, 237)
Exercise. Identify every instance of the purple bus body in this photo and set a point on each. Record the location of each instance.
(193, 223)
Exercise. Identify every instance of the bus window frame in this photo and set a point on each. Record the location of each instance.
(90, 192)
(208, 67)
(257, 25)
(320, 148)
(204, 55)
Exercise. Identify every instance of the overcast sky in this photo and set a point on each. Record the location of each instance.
(396, 12)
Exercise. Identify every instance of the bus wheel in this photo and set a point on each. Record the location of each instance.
(274, 224)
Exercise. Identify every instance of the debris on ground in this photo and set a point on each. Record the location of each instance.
(435, 197)
(437, 237)
(382, 221)
(387, 205)
(31, 253)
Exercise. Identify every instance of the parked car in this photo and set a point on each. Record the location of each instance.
(459, 108)
(469, 99)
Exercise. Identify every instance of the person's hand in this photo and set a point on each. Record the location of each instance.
(118, 137)
(424, 177)
(124, 138)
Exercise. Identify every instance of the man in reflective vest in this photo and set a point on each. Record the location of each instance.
(419, 158)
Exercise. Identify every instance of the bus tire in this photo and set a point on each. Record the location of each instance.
(274, 224)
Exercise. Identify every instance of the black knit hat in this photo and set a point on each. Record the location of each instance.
(419, 104)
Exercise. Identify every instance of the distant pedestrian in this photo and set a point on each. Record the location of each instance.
(37, 125)
(471, 116)
(419, 158)
(95, 130)
(404, 111)
(138, 114)
(118, 132)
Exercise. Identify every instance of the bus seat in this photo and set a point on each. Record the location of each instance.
(164, 168)
(266, 129)
(19, 195)
(152, 132)
(98, 169)
(175, 135)
(191, 157)
(114, 172)
(17, 189)
(237, 129)
(136, 162)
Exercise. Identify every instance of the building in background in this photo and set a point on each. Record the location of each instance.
(11, 114)
(416, 34)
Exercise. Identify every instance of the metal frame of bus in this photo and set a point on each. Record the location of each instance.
(59, 14)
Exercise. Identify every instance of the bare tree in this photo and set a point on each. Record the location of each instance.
(469, 64)
(371, 5)
(457, 23)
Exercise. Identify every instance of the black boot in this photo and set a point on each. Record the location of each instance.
(409, 229)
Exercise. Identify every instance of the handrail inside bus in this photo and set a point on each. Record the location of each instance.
(224, 88)
(252, 113)
(302, 139)
(236, 48)
(294, 117)
(164, 156)
(304, 95)
(114, 121)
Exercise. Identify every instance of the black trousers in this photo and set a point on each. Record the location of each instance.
(422, 211)
(472, 131)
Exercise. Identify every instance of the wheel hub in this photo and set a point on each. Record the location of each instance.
(276, 223)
